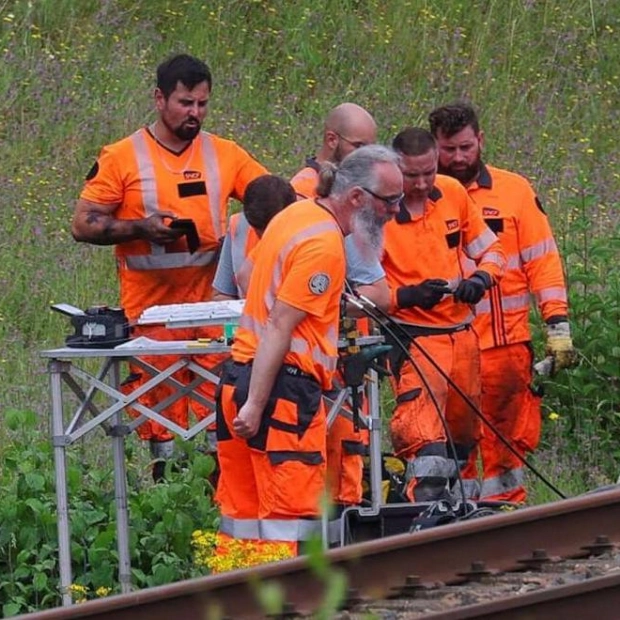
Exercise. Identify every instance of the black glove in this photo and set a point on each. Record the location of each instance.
(424, 295)
(471, 290)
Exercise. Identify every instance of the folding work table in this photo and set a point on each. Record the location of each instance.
(66, 372)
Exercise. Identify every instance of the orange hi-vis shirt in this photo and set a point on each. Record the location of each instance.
(432, 245)
(306, 180)
(300, 261)
(142, 176)
(511, 209)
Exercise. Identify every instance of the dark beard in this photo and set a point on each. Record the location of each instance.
(464, 175)
(183, 132)
(187, 132)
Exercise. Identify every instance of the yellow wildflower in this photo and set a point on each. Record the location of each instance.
(78, 592)
(234, 554)
(102, 591)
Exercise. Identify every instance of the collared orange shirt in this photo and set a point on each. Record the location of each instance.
(433, 245)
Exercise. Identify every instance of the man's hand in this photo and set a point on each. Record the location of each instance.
(246, 424)
(156, 228)
(472, 289)
(560, 345)
(424, 295)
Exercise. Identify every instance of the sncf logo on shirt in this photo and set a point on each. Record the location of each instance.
(452, 224)
(490, 212)
(191, 174)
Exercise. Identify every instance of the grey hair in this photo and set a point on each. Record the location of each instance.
(356, 169)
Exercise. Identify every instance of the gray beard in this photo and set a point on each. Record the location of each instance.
(367, 233)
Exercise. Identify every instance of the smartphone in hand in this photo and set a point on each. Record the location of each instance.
(189, 230)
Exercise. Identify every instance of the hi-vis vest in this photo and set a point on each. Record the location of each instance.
(157, 258)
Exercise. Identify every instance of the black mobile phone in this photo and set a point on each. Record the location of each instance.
(189, 229)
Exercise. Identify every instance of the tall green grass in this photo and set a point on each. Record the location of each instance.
(78, 75)
(544, 73)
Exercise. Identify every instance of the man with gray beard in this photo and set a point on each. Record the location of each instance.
(271, 416)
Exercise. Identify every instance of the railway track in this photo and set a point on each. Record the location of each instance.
(558, 560)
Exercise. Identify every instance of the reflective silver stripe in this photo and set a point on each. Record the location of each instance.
(327, 361)
(298, 345)
(289, 530)
(238, 241)
(252, 325)
(213, 182)
(483, 241)
(158, 258)
(423, 466)
(508, 481)
(547, 246)
(512, 302)
(514, 262)
(239, 528)
(492, 257)
(146, 171)
(553, 293)
(148, 185)
(470, 486)
(176, 260)
(306, 233)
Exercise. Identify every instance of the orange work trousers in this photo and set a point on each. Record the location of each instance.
(346, 448)
(274, 481)
(179, 410)
(513, 409)
(418, 433)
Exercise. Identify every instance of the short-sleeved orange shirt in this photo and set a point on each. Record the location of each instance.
(142, 176)
(300, 261)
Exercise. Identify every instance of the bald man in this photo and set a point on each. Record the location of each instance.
(347, 127)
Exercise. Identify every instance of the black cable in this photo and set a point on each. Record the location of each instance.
(366, 307)
(424, 380)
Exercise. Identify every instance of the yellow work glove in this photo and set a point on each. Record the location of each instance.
(560, 345)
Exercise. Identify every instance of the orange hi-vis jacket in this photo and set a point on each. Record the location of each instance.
(431, 246)
(143, 177)
(533, 266)
(300, 260)
(307, 179)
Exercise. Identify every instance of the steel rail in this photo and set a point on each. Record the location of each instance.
(598, 597)
(564, 528)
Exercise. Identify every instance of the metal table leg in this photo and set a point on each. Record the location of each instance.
(118, 432)
(60, 464)
(374, 439)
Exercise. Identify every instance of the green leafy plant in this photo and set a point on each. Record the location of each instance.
(163, 517)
